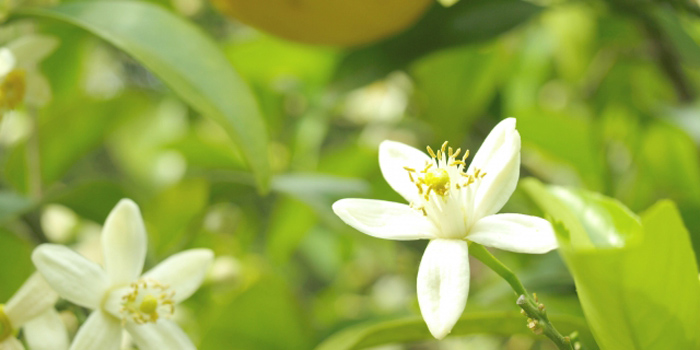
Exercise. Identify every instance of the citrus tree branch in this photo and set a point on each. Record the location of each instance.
(537, 320)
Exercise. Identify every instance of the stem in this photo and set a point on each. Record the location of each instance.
(538, 321)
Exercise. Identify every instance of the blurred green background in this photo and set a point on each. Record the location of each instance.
(604, 93)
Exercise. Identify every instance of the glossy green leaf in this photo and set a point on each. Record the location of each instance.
(464, 23)
(413, 329)
(186, 59)
(637, 280)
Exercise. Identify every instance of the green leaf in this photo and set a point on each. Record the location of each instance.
(185, 59)
(637, 281)
(319, 191)
(413, 329)
(464, 23)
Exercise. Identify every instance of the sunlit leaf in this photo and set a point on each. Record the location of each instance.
(184, 58)
(637, 281)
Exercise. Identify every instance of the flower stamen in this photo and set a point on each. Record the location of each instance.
(147, 301)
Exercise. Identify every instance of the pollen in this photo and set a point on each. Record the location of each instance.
(434, 177)
(147, 301)
(5, 326)
(438, 180)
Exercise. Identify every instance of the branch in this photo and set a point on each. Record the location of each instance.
(537, 320)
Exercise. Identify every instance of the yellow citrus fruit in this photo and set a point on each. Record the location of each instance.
(327, 22)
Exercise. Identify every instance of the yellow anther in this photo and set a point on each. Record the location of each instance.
(427, 166)
(444, 146)
(458, 162)
(456, 154)
(430, 151)
(149, 304)
(409, 169)
(147, 301)
(465, 156)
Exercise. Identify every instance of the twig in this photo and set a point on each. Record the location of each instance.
(537, 320)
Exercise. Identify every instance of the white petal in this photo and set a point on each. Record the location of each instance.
(384, 219)
(100, 331)
(443, 284)
(514, 232)
(183, 272)
(158, 336)
(11, 343)
(46, 332)
(32, 299)
(31, 49)
(72, 276)
(499, 158)
(124, 243)
(393, 157)
(7, 61)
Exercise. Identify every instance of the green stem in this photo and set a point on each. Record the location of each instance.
(538, 320)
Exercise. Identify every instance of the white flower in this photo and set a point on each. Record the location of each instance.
(20, 79)
(450, 204)
(31, 309)
(120, 295)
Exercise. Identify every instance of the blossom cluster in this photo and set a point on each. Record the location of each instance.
(452, 202)
(121, 296)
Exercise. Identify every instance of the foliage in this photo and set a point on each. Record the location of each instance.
(231, 139)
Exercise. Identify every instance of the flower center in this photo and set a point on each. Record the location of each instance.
(444, 170)
(12, 89)
(147, 301)
(438, 180)
(446, 193)
(5, 325)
